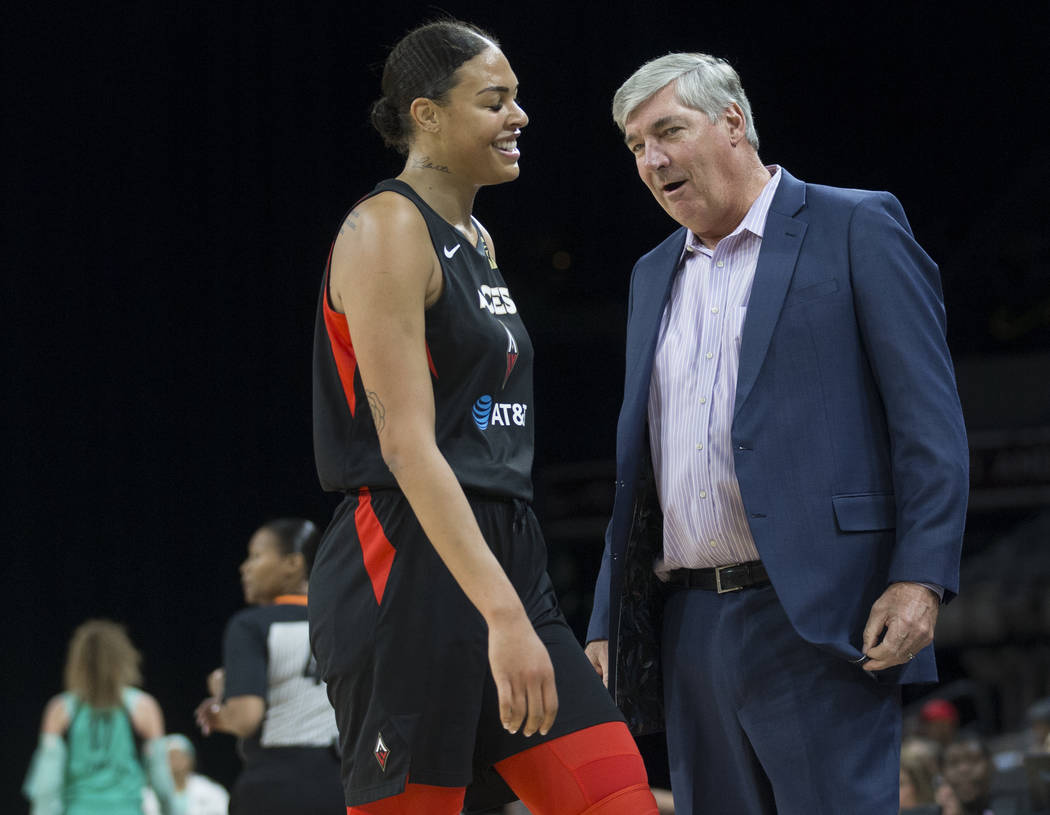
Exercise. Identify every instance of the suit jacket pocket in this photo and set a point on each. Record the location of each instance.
(865, 512)
(810, 292)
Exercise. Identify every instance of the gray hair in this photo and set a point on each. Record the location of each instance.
(702, 82)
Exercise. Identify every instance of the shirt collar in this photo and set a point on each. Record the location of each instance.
(755, 220)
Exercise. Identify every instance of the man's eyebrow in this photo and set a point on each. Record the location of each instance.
(496, 88)
(659, 124)
(663, 122)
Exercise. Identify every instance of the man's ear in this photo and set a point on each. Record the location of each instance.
(736, 123)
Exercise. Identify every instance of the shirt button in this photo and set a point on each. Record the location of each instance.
(713, 543)
(703, 400)
(721, 264)
(709, 355)
(703, 493)
(699, 447)
(714, 310)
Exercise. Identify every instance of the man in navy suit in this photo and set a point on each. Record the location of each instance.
(791, 468)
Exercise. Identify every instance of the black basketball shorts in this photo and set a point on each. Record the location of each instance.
(405, 653)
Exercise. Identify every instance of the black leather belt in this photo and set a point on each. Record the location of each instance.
(722, 579)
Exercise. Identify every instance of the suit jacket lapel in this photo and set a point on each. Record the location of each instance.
(781, 242)
(652, 291)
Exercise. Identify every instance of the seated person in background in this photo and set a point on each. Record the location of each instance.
(1038, 717)
(924, 751)
(939, 721)
(917, 782)
(1014, 751)
(967, 786)
(194, 794)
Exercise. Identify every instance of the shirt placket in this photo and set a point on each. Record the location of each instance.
(712, 320)
(708, 357)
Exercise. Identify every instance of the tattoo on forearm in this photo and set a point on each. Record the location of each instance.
(378, 411)
(425, 163)
(350, 222)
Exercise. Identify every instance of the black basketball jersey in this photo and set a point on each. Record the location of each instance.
(480, 360)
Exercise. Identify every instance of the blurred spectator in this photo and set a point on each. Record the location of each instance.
(967, 786)
(1011, 751)
(916, 749)
(195, 794)
(939, 721)
(1038, 717)
(918, 777)
(87, 762)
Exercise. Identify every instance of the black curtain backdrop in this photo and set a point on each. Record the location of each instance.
(175, 172)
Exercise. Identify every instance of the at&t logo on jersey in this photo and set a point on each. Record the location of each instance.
(506, 414)
(496, 300)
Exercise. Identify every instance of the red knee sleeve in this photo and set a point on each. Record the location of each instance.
(415, 799)
(594, 771)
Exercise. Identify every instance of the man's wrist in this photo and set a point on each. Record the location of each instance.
(933, 587)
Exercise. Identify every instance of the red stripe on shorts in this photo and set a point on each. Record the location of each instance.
(378, 552)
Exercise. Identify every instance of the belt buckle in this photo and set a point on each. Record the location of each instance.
(718, 579)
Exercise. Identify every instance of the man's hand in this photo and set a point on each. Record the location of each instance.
(598, 653)
(524, 677)
(900, 625)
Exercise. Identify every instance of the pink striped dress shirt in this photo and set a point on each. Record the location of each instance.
(691, 397)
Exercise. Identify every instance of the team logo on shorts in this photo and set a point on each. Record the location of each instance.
(382, 752)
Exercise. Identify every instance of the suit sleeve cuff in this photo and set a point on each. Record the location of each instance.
(938, 590)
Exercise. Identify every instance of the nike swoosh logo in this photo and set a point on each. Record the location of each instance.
(450, 252)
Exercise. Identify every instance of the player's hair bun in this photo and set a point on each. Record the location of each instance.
(387, 121)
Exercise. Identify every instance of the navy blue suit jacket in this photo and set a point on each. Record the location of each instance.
(847, 433)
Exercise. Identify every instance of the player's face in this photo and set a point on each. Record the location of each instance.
(482, 120)
(684, 160)
(266, 572)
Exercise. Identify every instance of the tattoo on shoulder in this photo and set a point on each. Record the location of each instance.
(350, 222)
(425, 163)
(378, 411)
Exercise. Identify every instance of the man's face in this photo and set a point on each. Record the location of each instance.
(967, 771)
(686, 162)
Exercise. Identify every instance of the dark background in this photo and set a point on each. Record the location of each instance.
(174, 176)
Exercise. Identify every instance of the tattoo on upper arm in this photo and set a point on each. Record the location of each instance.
(350, 222)
(378, 411)
(425, 163)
